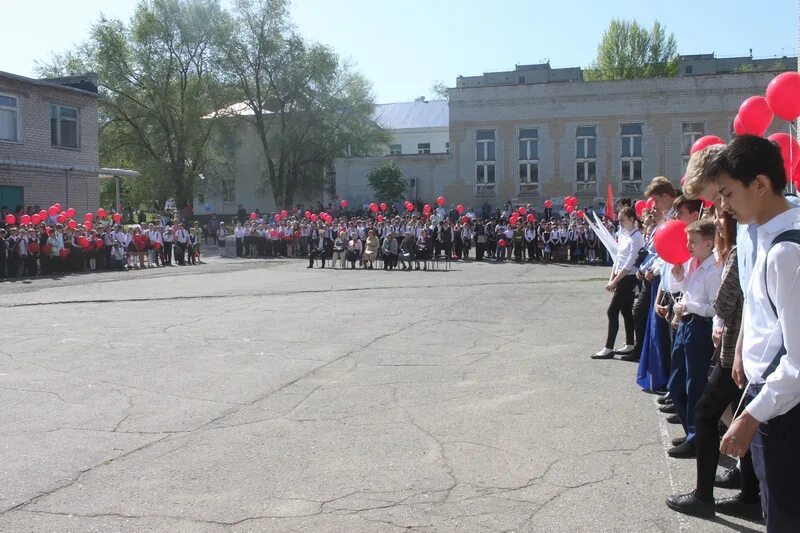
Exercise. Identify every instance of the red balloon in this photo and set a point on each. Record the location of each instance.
(89, 217)
(57, 206)
(101, 213)
(570, 209)
(464, 220)
(25, 219)
(790, 150)
(98, 243)
(64, 252)
(10, 219)
(705, 142)
(641, 205)
(313, 217)
(409, 206)
(36, 219)
(307, 214)
(671, 242)
(521, 210)
(573, 201)
(531, 217)
(343, 204)
(580, 213)
(380, 218)
(116, 218)
(61, 219)
(72, 224)
(706, 202)
(83, 242)
(783, 95)
(459, 209)
(373, 207)
(440, 201)
(53, 210)
(650, 203)
(514, 219)
(43, 214)
(70, 213)
(284, 213)
(548, 204)
(253, 215)
(33, 247)
(427, 209)
(384, 207)
(277, 217)
(88, 225)
(754, 116)
(502, 243)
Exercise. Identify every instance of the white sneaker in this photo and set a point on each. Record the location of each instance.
(603, 353)
(625, 349)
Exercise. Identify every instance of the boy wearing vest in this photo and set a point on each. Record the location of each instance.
(699, 281)
(751, 178)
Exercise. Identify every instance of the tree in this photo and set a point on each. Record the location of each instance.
(629, 51)
(157, 84)
(307, 107)
(387, 181)
(439, 90)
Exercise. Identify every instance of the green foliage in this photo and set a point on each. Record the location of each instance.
(387, 182)
(164, 74)
(306, 105)
(631, 51)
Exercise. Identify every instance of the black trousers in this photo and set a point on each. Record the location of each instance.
(641, 312)
(518, 250)
(168, 252)
(531, 250)
(314, 254)
(180, 253)
(720, 392)
(239, 247)
(621, 303)
(479, 248)
(777, 465)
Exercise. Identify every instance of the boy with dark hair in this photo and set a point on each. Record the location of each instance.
(751, 179)
(699, 281)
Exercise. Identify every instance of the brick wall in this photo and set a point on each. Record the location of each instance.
(45, 186)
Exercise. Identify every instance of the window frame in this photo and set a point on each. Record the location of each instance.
(399, 149)
(632, 159)
(695, 135)
(423, 151)
(484, 187)
(528, 186)
(585, 161)
(59, 120)
(227, 191)
(16, 109)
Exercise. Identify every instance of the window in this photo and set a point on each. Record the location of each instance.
(229, 191)
(688, 69)
(395, 149)
(586, 158)
(528, 161)
(447, 147)
(9, 118)
(631, 157)
(63, 126)
(424, 148)
(691, 132)
(484, 162)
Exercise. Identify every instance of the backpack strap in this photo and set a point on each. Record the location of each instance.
(793, 236)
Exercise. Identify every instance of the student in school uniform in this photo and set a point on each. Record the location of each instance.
(698, 281)
(751, 179)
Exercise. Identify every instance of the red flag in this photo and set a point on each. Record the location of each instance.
(610, 213)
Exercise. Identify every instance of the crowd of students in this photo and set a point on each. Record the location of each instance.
(412, 241)
(49, 247)
(719, 332)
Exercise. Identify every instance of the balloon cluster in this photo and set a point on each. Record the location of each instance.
(55, 214)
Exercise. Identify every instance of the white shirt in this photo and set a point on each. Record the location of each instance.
(181, 236)
(629, 244)
(699, 286)
(763, 333)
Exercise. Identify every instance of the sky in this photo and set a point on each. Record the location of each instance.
(404, 47)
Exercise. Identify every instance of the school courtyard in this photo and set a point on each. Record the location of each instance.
(249, 395)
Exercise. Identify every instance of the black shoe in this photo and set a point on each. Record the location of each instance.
(631, 357)
(689, 504)
(729, 479)
(678, 441)
(664, 400)
(682, 451)
(309, 266)
(609, 355)
(673, 419)
(737, 506)
(668, 409)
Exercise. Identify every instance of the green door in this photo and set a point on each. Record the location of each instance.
(11, 197)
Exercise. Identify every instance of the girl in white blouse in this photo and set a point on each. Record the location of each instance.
(622, 283)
